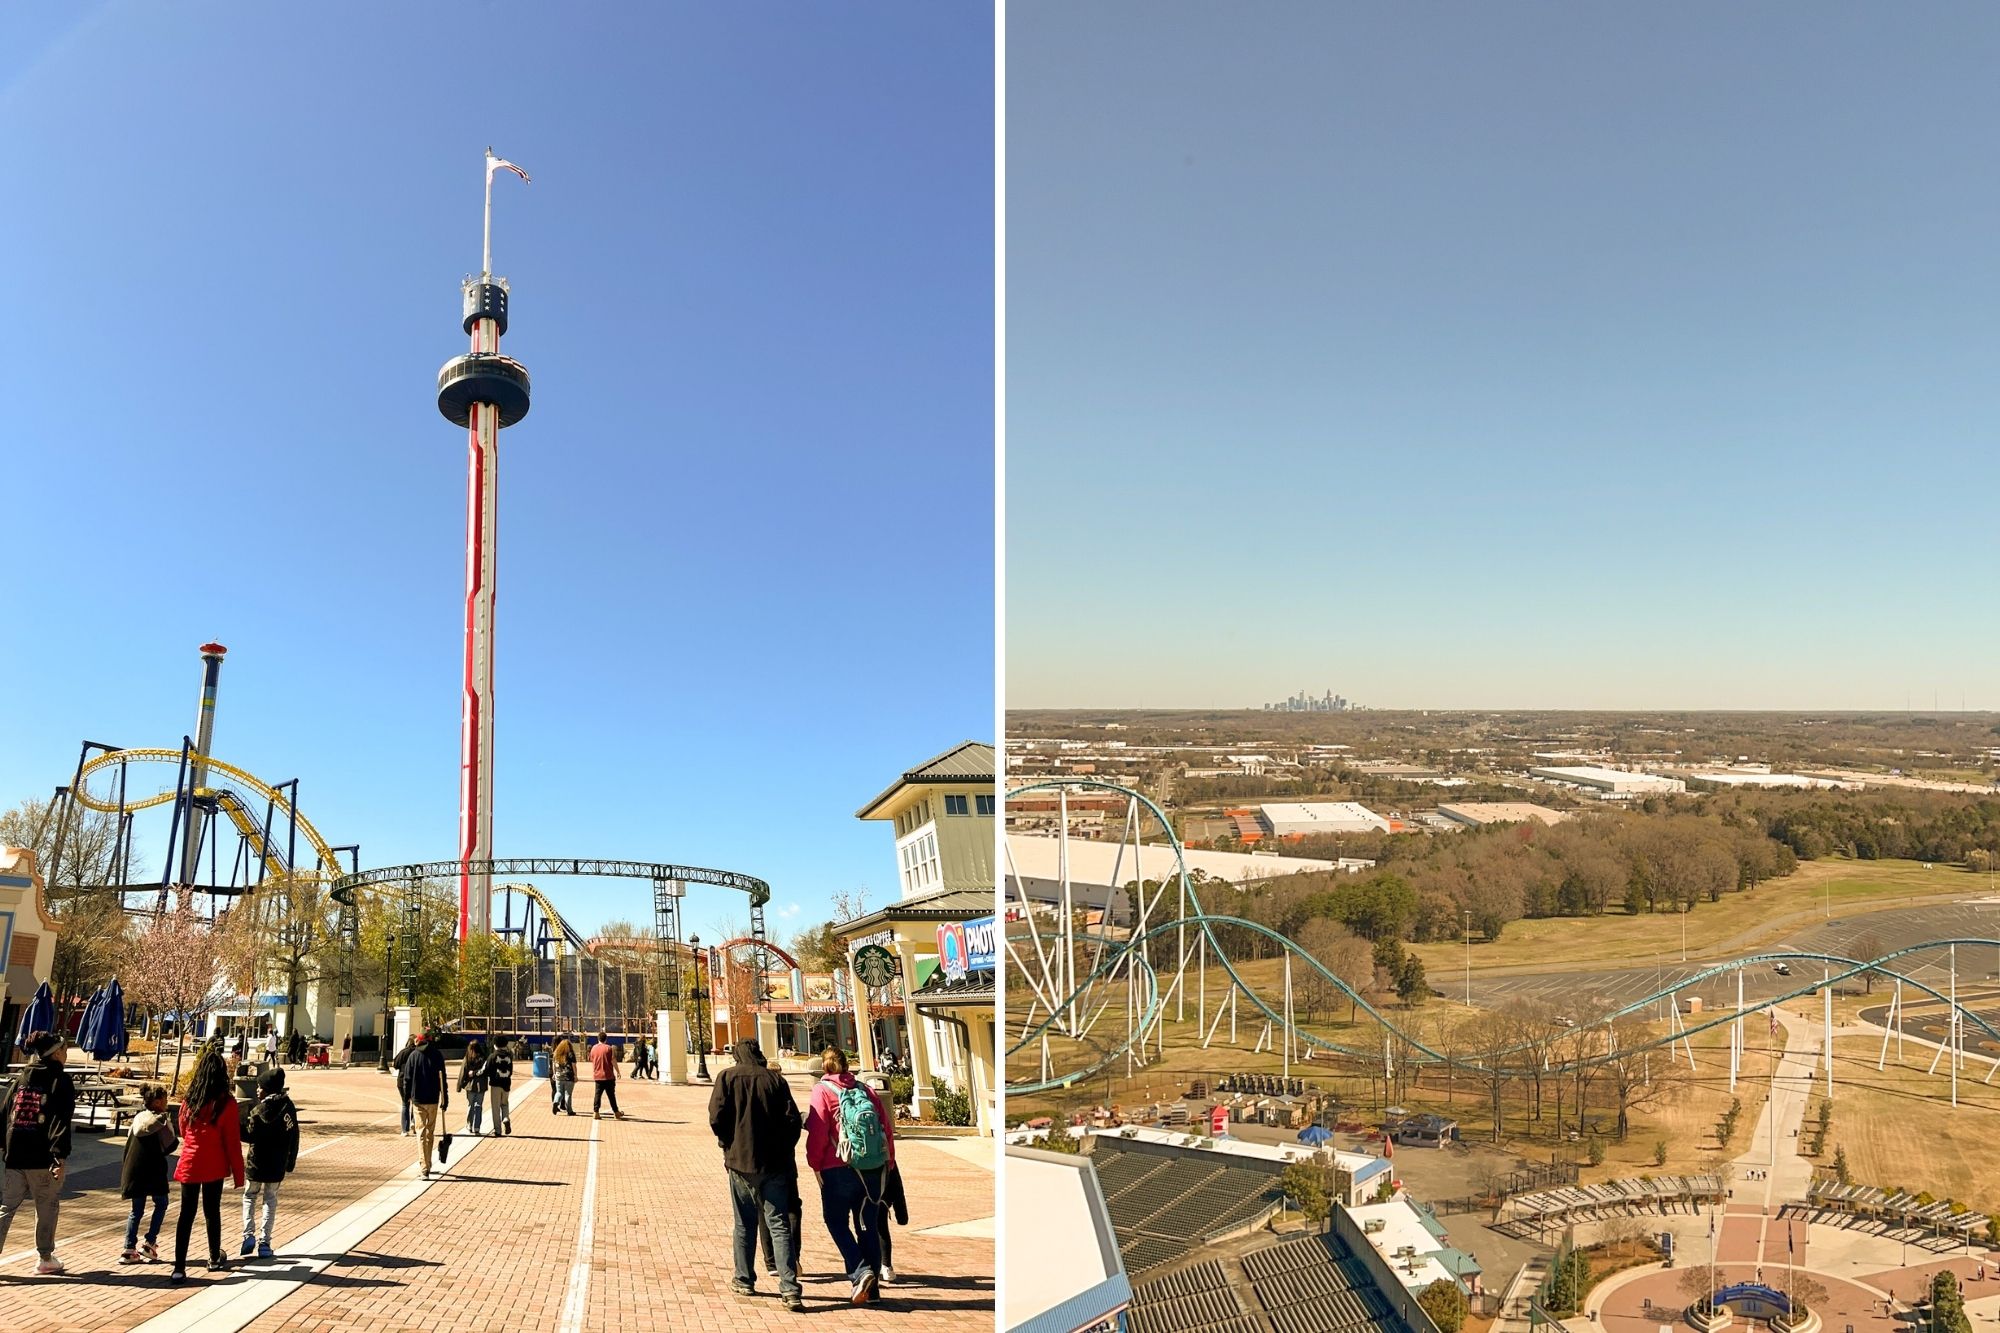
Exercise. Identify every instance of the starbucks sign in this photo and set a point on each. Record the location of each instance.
(875, 965)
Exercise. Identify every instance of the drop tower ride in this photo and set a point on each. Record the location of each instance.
(484, 392)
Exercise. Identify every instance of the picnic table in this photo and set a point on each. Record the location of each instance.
(96, 1092)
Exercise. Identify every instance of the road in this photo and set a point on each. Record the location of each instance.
(1584, 993)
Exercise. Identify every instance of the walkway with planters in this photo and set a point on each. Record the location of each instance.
(568, 1224)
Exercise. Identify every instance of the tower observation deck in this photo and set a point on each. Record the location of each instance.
(484, 392)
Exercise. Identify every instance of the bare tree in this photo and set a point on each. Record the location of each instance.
(92, 931)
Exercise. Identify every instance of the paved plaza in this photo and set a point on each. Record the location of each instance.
(568, 1224)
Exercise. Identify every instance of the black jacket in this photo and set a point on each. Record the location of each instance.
(500, 1070)
(35, 1118)
(754, 1116)
(423, 1079)
(893, 1196)
(271, 1138)
(145, 1170)
(472, 1075)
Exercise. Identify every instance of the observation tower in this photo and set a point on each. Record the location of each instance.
(484, 392)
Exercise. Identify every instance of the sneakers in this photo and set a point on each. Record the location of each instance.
(794, 1302)
(50, 1267)
(873, 1286)
(249, 1244)
(150, 1251)
(217, 1263)
(177, 1277)
(742, 1288)
(888, 1273)
(263, 1250)
(595, 1115)
(129, 1257)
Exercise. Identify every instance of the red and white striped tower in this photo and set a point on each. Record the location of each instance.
(482, 391)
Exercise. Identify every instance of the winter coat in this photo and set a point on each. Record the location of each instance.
(423, 1079)
(823, 1121)
(500, 1071)
(754, 1117)
(604, 1062)
(272, 1136)
(36, 1116)
(211, 1148)
(472, 1075)
(151, 1142)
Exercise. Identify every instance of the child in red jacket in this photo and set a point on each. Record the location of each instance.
(211, 1148)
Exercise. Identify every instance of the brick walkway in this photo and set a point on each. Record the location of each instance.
(494, 1245)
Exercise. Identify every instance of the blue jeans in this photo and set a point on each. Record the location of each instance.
(851, 1200)
(407, 1115)
(770, 1196)
(138, 1209)
(473, 1107)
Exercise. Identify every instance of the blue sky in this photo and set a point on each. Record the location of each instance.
(745, 534)
(1537, 355)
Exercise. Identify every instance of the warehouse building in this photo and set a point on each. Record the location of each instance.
(1478, 814)
(1610, 781)
(1292, 820)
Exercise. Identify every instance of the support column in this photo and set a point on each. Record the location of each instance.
(920, 1054)
(864, 1026)
(409, 1021)
(767, 1034)
(670, 1030)
(343, 1029)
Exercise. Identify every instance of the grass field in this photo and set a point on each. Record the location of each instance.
(1741, 920)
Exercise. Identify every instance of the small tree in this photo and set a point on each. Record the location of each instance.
(1660, 1153)
(1444, 1301)
(1948, 1305)
(1411, 987)
(173, 969)
(1305, 1184)
(1062, 1141)
(1595, 1152)
(1841, 1172)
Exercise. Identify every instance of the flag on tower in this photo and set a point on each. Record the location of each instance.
(493, 162)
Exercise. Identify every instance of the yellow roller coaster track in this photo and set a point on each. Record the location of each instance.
(274, 869)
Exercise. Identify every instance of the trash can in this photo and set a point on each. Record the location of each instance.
(541, 1064)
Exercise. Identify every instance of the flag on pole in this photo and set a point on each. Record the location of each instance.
(1788, 1240)
(492, 162)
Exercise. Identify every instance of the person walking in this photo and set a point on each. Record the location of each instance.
(35, 1119)
(562, 1078)
(604, 1068)
(143, 1175)
(850, 1144)
(425, 1085)
(499, 1084)
(472, 1082)
(211, 1148)
(754, 1118)
(273, 1139)
(271, 1045)
(396, 1063)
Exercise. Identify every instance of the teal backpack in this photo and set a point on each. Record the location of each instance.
(858, 1138)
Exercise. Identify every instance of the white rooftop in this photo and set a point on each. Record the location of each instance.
(1059, 1239)
(1335, 815)
(1037, 857)
(1400, 1228)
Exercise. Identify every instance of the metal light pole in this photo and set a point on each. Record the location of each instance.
(1684, 932)
(703, 1023)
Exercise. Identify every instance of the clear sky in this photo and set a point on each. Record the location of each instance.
(1542, 355)
(746, 534)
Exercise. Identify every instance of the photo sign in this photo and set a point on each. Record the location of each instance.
(964, 947)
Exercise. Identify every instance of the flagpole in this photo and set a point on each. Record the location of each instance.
(486, 246)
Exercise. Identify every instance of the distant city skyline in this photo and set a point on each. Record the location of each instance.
(1544, 357)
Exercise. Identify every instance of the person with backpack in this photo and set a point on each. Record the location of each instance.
(425, 1085)
(754, 1118)
(499, 1084)
(604, 1068)
(211, 1148)
(273, 1139)
(143, 1175)
(562, 1078)
(850, 1144)
(472, 1082)
(35, 1118)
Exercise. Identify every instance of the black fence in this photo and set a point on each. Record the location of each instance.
(590, 996)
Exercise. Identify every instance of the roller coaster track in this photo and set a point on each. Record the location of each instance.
(230, 802)
(1146, 1026)
(658, 872)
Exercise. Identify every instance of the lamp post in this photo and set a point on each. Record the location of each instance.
(1684, 932)
(698, 993)
(388, 1021)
